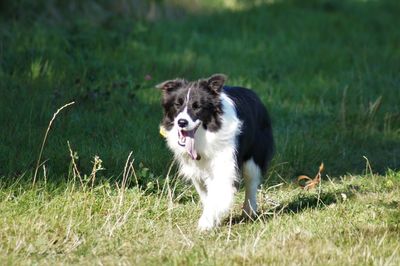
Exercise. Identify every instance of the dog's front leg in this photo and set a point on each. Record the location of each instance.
(220, 193)
(201, 190)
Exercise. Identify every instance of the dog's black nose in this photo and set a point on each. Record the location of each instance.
(182, 123)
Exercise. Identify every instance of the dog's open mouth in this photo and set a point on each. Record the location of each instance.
(186, 139)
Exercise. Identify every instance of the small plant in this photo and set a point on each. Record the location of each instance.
(310, 183)
(44, 140)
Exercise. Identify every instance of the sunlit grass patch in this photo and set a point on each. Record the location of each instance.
(353, 221)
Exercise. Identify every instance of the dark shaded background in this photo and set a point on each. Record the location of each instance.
(327, 70)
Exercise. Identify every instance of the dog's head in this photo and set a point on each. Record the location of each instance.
(190, 105)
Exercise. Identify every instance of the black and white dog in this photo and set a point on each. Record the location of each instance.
(216, 133)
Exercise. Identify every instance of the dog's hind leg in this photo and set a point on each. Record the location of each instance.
(252, 178)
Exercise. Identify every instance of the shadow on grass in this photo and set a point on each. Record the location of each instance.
(302, 202)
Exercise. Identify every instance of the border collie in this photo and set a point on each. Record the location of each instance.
(217, 133)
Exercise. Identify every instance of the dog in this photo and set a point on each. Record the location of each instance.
(217, 134)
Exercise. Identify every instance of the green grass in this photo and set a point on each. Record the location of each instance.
(327, 70)
(354, 221)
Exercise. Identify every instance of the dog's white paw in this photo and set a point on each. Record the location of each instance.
(205, 223)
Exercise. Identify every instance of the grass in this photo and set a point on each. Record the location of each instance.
(353, 221)
(327, 70)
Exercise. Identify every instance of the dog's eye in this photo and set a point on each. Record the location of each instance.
(179, 102)
(195, 105)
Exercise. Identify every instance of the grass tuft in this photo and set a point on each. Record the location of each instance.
(44, 140)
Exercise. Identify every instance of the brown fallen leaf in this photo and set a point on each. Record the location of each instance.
(311, 183)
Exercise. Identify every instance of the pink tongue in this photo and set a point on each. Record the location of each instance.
(189, 145)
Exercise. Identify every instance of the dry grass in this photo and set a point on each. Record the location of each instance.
(353, 221)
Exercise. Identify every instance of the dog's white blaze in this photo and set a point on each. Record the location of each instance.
(252, 177)
(184, 115)
(214, 175)
(188, 96)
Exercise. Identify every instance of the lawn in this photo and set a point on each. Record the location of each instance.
(106, 189)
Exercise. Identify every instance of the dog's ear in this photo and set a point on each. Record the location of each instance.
(170, 85)
(216, 82)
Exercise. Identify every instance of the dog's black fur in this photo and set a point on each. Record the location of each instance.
(255, 140)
